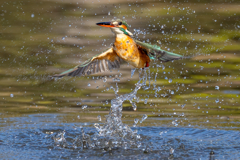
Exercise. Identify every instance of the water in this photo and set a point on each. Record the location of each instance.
(192, 105)
(113, 133)
(35, 140)
(42, 136)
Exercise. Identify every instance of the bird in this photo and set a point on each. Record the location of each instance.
(125, 49)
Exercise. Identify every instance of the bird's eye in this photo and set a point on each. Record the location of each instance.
(119, 23)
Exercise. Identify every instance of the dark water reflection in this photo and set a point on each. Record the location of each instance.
(40, 38)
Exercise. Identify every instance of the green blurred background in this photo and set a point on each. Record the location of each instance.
(40, 38)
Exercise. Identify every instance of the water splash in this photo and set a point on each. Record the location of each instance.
(113, 133)
(59, 139)
(114, 127)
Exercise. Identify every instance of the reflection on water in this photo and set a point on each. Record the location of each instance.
(40, 38)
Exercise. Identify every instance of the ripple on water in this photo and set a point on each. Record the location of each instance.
(36, 141)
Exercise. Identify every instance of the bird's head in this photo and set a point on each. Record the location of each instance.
(117, 26)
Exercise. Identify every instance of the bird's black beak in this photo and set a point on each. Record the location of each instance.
(105, 24)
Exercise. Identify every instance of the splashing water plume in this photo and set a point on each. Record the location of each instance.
(113, 133)
(114, 127)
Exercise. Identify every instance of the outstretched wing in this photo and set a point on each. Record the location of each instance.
(105, 61)
(155, 52)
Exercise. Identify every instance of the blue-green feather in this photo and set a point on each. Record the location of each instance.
(155, 52)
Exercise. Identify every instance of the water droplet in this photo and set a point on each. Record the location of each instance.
(78, 103)
(217, 87)
(11, 95)
(183, 105)
(89, 85)
(163, 67)
(109, 13)
(59, 137)
(78, 117)
(32, 15)
(132, 72)
(134, 106)
(97, 126)
(138, 136)
(99, 118)
(175, 123)
(217, 100)
(70, 25)
(135, 122)
(63, 38)
(105, 79)
(170, 81)
(144, 117)
(116, 79)
(145, 101)
(84, 106)
(198, 107)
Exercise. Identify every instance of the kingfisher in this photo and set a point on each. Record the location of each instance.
(125, 48)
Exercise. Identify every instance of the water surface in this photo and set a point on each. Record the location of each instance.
(196, 102)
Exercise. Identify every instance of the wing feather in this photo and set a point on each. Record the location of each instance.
(96, 66)
(110, 65)
(100, 66)
(104, 65)
(105, 61)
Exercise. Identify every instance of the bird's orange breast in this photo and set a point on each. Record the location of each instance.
(127, 49)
